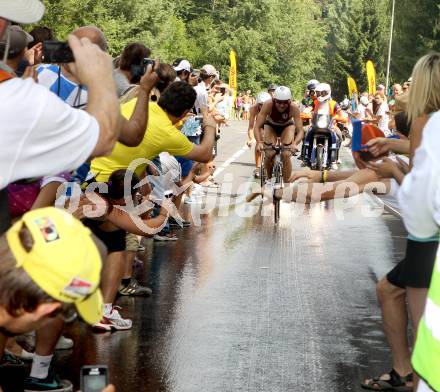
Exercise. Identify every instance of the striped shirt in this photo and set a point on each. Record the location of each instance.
(70, 92)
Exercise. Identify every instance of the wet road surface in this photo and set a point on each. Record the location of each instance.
(242, 305)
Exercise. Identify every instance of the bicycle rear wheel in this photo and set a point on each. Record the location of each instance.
(278, 174)
(276, 209)
(262, 173)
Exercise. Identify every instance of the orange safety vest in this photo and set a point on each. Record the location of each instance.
(332, 104)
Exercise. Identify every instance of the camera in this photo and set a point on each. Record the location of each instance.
(223, 90)
(94, 378)
(57, 52)
(138, 70)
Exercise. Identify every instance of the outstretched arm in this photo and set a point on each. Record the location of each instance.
(298, 125)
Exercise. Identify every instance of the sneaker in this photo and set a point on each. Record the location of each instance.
(335, 166)
(165, 237)
(50, 383)
(26, 355)
(135, 289)
(10, 359)
(113, 321)
(64, 343)
(174, 223)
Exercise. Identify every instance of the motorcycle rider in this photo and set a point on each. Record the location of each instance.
(327, 104)
(253, 113)
(279, 117)
(310, 100)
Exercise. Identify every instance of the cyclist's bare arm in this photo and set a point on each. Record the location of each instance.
(261, 119)
(299, 131)
(253, 113)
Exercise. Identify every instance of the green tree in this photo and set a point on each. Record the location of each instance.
(357, 34)
(417, 32)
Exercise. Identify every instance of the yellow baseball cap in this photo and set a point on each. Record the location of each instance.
(64, 261)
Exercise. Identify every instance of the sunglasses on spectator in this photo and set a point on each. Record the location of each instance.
(312, 92)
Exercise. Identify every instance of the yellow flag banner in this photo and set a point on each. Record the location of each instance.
(352, 88)
(233, 73)
(371, 76)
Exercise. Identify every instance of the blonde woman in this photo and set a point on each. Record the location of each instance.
(410, 279)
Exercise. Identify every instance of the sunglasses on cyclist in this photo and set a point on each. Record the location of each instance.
(321, 93)
(281, 102)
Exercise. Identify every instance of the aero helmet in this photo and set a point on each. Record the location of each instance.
(282, 93)
(263, 97)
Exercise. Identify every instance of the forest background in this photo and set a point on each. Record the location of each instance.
(277, 41)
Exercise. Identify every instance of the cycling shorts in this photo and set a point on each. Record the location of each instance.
(278, 128)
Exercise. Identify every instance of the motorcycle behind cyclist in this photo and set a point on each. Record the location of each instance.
(323, 139)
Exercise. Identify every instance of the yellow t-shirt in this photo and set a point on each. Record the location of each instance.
(161, 135)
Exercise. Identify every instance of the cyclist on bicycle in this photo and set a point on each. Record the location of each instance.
(279, 118)
(253, 114)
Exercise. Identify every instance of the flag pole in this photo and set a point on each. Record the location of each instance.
(389, 47)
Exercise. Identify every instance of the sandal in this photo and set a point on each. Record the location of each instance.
(394, 383)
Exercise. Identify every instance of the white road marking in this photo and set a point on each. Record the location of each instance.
(231, 159)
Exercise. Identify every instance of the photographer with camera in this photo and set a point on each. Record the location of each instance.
(209, 77)
(183, 70)
(63, 81)
(174, 104)
(131, 67)
(51, 136)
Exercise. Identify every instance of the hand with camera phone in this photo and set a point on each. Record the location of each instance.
(108, 388)
(34, 55)
(150, 77)
(95, 379)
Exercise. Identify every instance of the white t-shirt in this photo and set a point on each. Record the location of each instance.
(385, 119)
(361, 109)
(39, 133)
(171, 173)
(419, 194)
(202, 97)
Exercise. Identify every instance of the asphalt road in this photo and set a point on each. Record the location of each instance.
(240, 304)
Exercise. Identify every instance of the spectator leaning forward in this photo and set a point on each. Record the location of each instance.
(50, 135)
